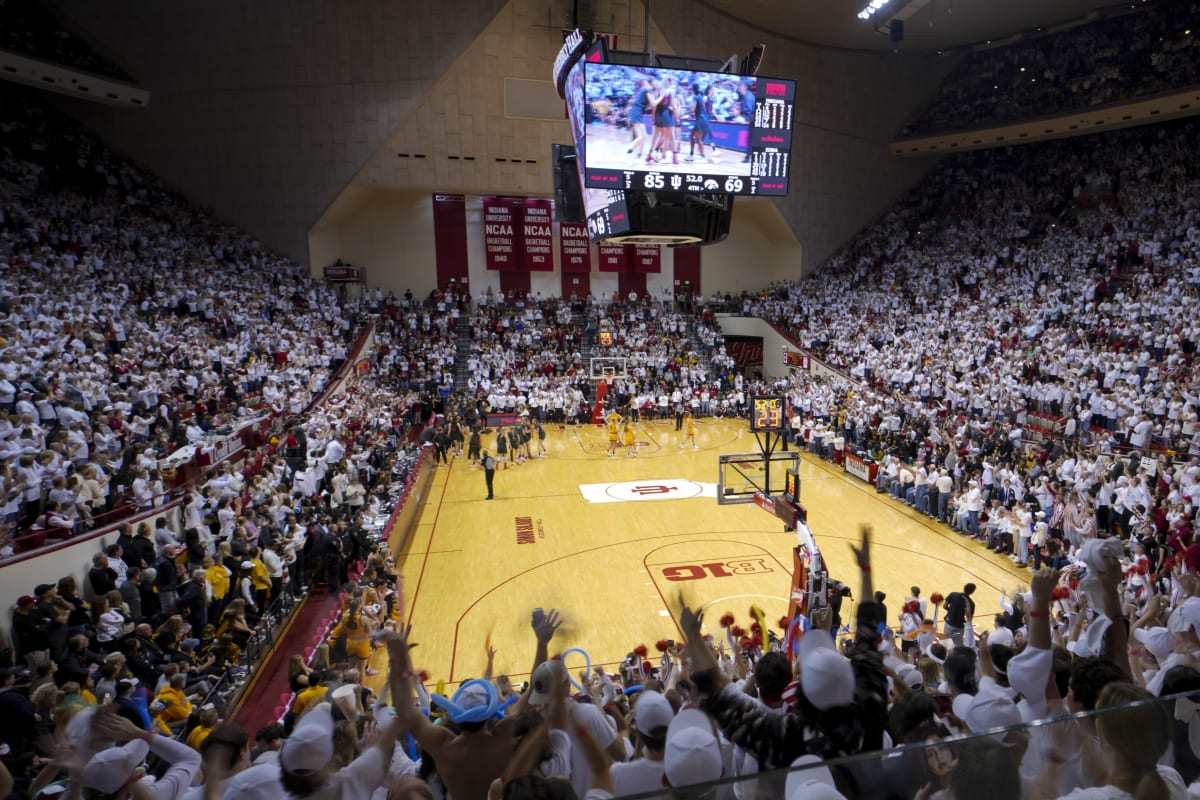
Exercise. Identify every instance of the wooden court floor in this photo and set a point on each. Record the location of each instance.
(616, 565)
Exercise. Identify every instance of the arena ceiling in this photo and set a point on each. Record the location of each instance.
(929, 25)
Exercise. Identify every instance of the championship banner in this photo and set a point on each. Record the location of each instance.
(647, 258)
(574, 248)
(500, 232)
(613, 257)
(538, 235)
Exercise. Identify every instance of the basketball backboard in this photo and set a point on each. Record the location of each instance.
(740, 476)
(613, 366)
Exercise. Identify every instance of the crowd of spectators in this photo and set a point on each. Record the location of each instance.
(1153, 48)
(988, 293)
(986, 299)
(31, 28)
(526, 356)
(107, 367)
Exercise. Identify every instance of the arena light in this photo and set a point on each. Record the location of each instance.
(872, 8)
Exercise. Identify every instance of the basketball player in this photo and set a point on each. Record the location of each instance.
(666, 116)
(473, 446)
(690, 422)
(746, 107)
(613, 422)
(501, 443)
(630, 444)
(637, 120)
(702, 109)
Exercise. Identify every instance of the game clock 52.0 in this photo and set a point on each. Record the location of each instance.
(767, 413)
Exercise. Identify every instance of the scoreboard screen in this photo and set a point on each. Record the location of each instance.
(668, 130)
(792, 485)
(767, 413)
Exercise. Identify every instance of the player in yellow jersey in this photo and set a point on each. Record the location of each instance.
(614, 421)
(690, 422)
(630, 444)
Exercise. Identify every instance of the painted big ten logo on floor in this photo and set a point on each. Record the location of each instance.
(716, 569)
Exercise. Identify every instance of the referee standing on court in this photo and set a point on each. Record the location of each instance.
(489, 471)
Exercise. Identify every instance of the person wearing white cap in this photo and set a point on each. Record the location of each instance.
(840, 709)
(693, 751)
(308, 768)
(111, 773)
(652, 714)
(809, 779)
(551, 676)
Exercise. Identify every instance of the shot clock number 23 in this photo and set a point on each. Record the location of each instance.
(767, 413)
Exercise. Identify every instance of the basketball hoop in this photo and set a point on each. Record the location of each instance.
(608, 379)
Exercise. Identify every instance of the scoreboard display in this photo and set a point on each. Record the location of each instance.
(668, 130)
(767, 413)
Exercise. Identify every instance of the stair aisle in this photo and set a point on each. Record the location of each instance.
(462, 353)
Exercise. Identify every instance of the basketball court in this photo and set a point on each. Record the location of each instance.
(614, 543)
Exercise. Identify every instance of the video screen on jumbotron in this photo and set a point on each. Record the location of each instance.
(606, 210)
(654, 129)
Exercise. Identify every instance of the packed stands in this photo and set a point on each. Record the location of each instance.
(1118, 58)
(31, 28)
(112, 376)
(1003, 293)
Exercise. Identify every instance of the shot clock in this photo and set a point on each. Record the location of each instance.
(767, 413)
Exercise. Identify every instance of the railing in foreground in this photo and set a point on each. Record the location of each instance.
(1045, 759)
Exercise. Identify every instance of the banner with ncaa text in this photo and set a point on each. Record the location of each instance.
(501, 221)
(574, 248)
(538, 235)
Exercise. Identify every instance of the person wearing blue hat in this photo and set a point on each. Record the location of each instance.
(469, 761)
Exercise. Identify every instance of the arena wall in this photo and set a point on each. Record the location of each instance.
(265, 113)
(389, 234)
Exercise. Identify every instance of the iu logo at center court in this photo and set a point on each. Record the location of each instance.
(651, 489)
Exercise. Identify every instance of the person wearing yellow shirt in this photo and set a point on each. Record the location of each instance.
(156, 721)
(217, 576)
(178, 705)
(207, 720)
(261, 578)
(311, 696)
(614, 420)
(691, 430)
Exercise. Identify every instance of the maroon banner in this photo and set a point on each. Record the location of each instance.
(631, 283)
(450, 239)
(515, 284)
(538, 235)
(647, 258)
(500, 229)
(574, 248)
(576, 285)
(613, 258)
(687, 271)
(746, 351)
